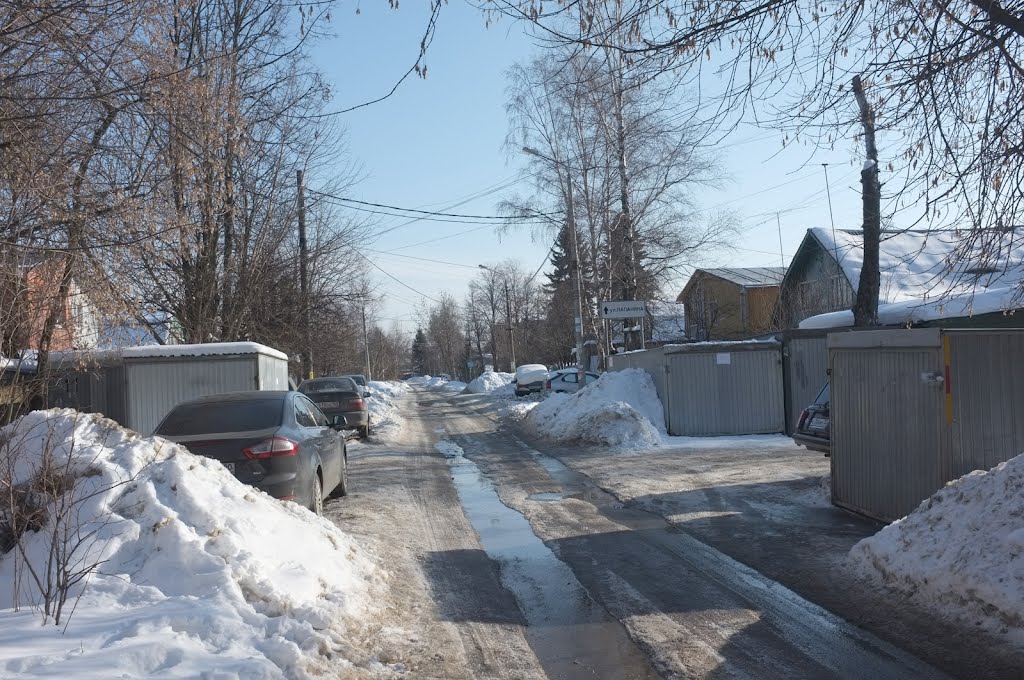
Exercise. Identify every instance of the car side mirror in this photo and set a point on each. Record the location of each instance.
(367, 394)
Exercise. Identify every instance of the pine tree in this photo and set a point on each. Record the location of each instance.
(419, 352)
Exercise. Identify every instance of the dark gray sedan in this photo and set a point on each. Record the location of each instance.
(341, 396)
(278, 442)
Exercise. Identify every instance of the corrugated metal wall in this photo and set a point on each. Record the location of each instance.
(652, 361)
(987, 398)
(805, 366)
(887, 431)
(724, 391)
(156, 385)
(273, 373)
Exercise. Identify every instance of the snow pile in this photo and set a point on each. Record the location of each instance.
(620, 410)
(391, 388)
(492, 382)
(435, 383)
(961, 552)
(198, 574)
(386, 420)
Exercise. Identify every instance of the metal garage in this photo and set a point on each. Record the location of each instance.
(716, 388)
(914, 409)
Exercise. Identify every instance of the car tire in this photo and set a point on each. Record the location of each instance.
(317, 495)
(342, 489)
(364, 431)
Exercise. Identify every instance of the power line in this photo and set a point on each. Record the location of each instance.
(432, 213)
(441, 238)
(404, 285)
(424, 259)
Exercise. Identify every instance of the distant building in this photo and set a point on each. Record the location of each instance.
(731, 303)
(153, 328)
(916, 268)
(77, 318)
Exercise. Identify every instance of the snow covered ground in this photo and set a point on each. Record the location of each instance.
(961, 552)
(196, 574)
(385, 419)
(492, 382)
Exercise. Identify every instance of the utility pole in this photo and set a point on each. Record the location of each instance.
(366, 345)
(577, 270)
(307, 354)
(508, 313)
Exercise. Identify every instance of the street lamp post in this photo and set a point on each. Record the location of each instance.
(577, 270)
(508, 314)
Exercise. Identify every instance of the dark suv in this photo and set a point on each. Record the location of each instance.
(814, 428)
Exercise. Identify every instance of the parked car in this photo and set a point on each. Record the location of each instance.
(567, 380)
(814, 427)
(359, 379)
(340, 397)
(278, 442)
(530, 378)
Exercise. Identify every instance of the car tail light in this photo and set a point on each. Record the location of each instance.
(803, 417)
(356, 403)
(547, 384)
(272, 448)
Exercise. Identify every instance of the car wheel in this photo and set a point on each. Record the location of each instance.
(317, 502)
(364, 431)
(342, 488)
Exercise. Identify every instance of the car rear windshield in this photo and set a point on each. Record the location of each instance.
(336, 385)
(223, 416)
(823, 395)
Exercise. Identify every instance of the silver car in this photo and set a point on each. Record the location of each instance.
(567, 380)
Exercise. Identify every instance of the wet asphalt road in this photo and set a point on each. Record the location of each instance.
(536, 572)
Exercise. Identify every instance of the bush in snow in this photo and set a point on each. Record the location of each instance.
(620, 410)
(45, 493)
(961, 551)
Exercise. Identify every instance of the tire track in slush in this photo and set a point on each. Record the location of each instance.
(572, 636)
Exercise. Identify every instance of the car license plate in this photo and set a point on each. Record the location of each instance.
(818, 423)
(230, 467)
(329, 404)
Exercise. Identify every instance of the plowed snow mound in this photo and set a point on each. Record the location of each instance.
(616, 411)
(490, 382)
(961, 552)
(386, 420)
(198, 574)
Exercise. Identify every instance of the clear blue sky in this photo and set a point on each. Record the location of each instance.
(438, 141)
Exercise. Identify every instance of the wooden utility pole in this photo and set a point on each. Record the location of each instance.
(865, 307)
(307, 353)
(366, 344)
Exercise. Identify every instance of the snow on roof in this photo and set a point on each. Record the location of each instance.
(200, 350)
(917, 264)
(970, 303)
(749, 277)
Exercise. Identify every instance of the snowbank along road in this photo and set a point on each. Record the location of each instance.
(507, 564)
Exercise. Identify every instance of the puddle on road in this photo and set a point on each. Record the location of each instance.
(572, 636)
(546, 497)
